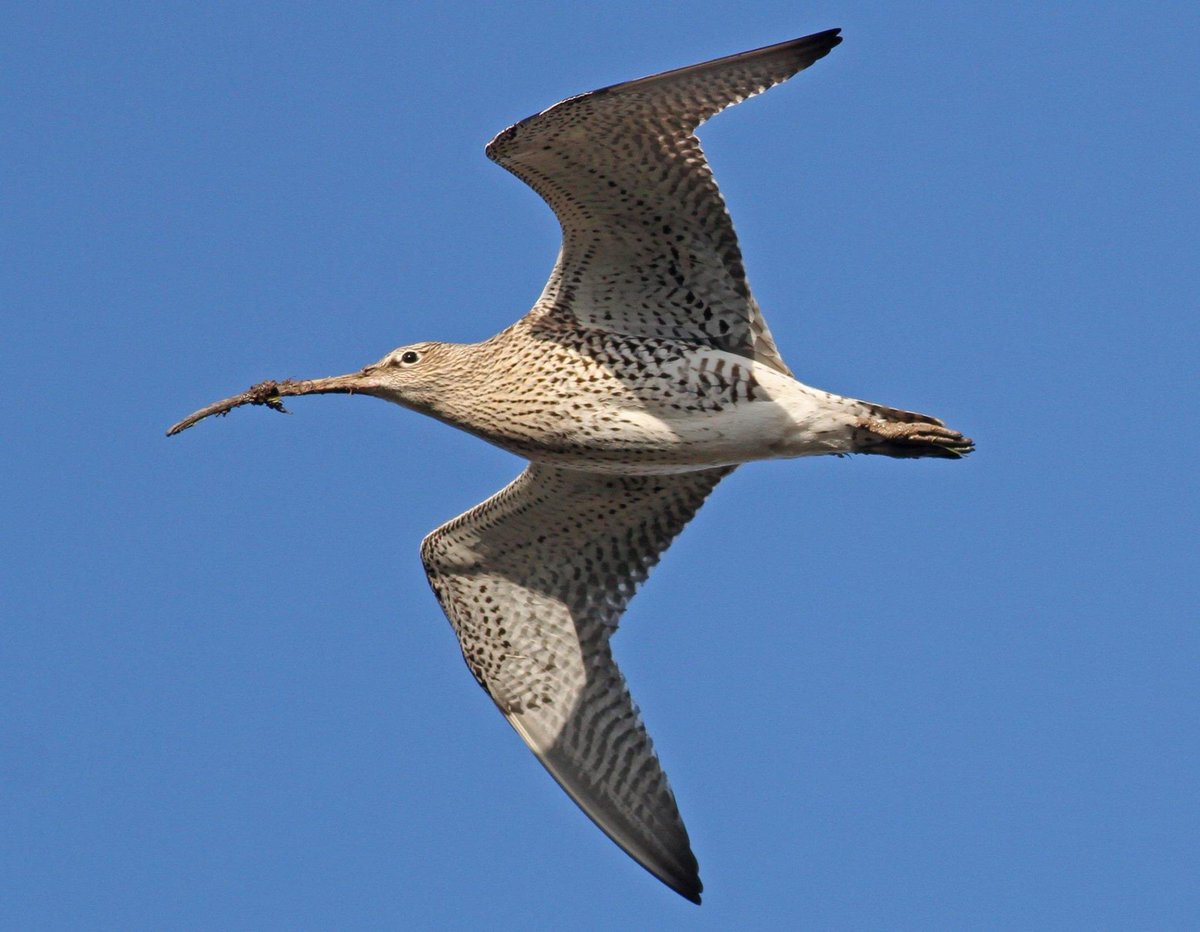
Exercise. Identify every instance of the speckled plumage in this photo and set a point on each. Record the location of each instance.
(642, 376)
(534, 581)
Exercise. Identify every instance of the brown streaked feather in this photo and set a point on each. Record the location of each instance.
(534, 581)
(648, 247)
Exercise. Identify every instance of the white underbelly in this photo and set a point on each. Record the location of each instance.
(785, 419)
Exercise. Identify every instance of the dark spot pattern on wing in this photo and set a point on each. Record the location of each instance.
(648, 248)
(534, 581)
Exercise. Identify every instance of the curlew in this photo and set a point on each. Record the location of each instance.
(643, 375)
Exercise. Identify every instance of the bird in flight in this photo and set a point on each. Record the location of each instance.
(644, 374)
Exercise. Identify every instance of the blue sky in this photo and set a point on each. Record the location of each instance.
(889, 694)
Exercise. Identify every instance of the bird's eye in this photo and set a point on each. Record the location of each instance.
(410, 357)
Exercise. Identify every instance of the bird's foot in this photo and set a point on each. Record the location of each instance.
(908, 439)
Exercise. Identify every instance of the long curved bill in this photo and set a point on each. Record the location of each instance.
(271, 393)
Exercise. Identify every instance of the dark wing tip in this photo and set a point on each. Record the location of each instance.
(812, 48)
(683, 877)
(806, 50)
(690, 891)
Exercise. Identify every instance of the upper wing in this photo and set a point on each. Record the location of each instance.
(534, 581)
(648, 248)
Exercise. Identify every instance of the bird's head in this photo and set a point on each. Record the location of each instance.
(419, 376)
(415, 376)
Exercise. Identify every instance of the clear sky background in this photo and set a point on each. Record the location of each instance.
(889, 694)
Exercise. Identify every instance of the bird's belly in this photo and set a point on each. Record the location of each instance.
(632, 436)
